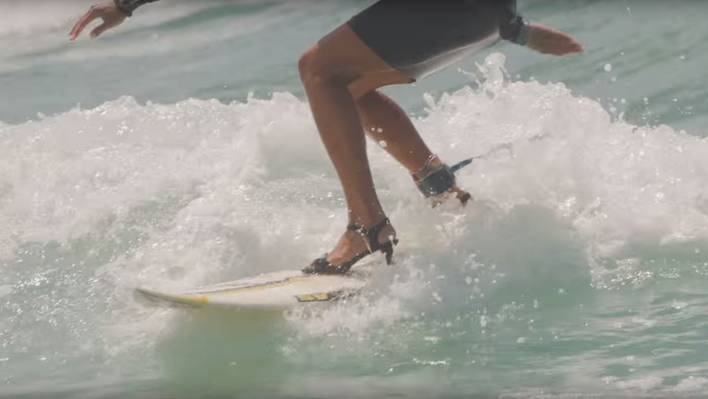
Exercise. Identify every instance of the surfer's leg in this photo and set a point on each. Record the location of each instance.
(387, 124)
(327, 69)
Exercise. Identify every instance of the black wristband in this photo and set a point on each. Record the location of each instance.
(122, 8)
(128, 6)
(516, 31)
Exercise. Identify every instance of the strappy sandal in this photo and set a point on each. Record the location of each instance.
(436, 179)
(371, 236)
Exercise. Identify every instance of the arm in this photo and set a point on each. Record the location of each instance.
(112, 14)
(545, 40)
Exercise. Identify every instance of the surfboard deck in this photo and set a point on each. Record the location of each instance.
(277, 290)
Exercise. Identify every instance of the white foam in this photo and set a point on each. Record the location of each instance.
(692, 384)
(641, 384)
(199, 192)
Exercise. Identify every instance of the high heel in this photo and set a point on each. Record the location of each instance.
(371, 236)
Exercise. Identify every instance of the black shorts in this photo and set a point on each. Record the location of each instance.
(418, 37)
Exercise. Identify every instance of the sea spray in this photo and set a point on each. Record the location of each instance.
(583, 252)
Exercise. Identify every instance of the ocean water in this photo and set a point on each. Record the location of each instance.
(179, 151)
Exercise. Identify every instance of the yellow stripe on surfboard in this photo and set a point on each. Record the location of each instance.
(319, 297)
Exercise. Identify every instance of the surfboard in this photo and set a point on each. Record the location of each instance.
(277, 290)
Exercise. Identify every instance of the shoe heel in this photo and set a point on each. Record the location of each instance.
(387, 249)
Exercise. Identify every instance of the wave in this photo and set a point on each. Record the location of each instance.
(95, 202)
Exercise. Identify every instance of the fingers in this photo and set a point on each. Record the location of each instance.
(572, 47)
(562, 46)
(550, 41)
(110, 15)
(101, 28)
(577, 47)
(92, 14)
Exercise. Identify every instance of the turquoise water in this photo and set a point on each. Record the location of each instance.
(178, 151)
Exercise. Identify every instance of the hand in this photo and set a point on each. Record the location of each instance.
(548, 41)
(111, 15)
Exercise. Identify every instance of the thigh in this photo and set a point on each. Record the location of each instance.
(344, 54)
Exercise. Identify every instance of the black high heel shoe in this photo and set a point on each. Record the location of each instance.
(371, 235)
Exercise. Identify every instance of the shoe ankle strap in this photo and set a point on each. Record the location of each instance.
(369, 234)
(427, 168)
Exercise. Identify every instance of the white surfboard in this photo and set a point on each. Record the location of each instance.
(272, 290)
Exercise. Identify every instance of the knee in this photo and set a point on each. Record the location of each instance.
(306, 62)
(315, 69)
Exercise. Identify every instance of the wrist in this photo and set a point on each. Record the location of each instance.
(524, 35)
(119, 5)
(515, 30)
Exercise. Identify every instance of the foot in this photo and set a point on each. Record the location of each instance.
(352, 244)
(437, 181)
(356, 243)
(461, 195)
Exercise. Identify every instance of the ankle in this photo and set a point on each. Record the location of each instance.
(374, 235)
(368, 220)
(431, 165)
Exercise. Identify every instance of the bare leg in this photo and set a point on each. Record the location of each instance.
(386, 123)
(342, 134)
(326, 70)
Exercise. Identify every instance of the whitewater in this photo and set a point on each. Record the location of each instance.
(580, 268)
